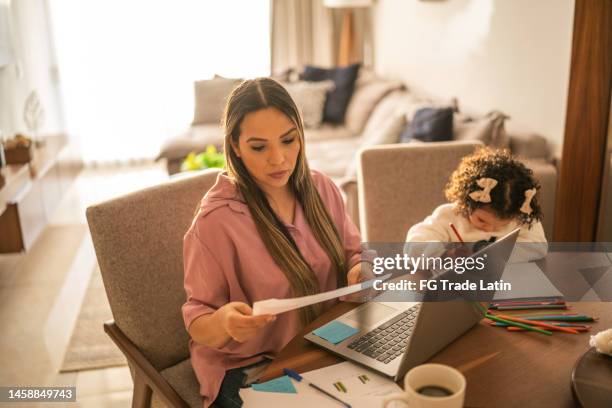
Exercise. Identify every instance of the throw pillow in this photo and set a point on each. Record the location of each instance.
(430, 125)
(388, 107)
(210, 98)
(339, 98)
(310, 99)
(365, 98)
(489, 129)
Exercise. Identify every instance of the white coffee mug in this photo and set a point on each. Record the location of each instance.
(431, 376)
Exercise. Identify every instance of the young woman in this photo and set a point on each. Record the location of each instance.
(269, 228)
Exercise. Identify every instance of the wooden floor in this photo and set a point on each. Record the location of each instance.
(41, 293)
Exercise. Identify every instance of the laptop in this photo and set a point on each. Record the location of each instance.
(393, 337)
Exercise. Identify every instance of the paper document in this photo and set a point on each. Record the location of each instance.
(527, 281)
(277, 306)
(350, 382)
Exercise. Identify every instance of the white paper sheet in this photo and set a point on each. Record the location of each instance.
(370, 394)
(277, 306)
(527, 281)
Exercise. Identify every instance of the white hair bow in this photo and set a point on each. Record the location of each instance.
(484, 195)
(526, 207)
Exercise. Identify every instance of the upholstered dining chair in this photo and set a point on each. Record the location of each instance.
(399, 185)
(138, 240)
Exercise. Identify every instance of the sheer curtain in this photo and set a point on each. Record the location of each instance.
(127, 67)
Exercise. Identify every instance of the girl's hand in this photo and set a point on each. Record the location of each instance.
(457, 252)
(238, 321)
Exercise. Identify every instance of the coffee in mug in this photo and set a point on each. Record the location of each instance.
(431, 386)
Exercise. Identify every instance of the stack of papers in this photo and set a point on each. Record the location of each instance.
(350, 382)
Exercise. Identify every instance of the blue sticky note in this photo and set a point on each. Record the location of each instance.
(335, 332)
(280, 384)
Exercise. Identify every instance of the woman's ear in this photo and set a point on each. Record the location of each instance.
(235, 148)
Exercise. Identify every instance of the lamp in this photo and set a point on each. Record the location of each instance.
(345, 51)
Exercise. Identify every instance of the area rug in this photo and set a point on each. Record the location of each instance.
(90, 347)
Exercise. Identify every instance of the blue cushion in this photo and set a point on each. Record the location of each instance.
(338, 98)
(430, 125)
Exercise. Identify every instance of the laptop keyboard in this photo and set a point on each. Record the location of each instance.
(387, 341)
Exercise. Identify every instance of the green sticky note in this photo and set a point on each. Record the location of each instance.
(335, 332)
(280, 384)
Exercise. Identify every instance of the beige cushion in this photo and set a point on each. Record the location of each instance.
(389, 107)
(488, 129)
(310, 99)
(388, 132)
(210, 98)
(366, 96)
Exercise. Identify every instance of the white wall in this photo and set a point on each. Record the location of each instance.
(511, 55)
(33, 68)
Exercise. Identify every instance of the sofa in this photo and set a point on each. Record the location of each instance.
(379, 110)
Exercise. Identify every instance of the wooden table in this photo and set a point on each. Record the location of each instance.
(503, 369)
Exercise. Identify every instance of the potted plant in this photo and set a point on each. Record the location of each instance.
(209, 158)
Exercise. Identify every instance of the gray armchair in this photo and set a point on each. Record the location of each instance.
(399, 185)
(138, 239)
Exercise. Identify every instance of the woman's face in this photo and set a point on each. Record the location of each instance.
(485, 220)
(268, 145)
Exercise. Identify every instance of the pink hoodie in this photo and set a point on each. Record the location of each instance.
(225, 260)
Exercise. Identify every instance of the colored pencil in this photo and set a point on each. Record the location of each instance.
(512, 328)
(456, 232)
(549, 314)
(529, 299)
(560, 318)
(506, 304)
(528, 307)
(579, 326)
(517, 324)
(538, 323)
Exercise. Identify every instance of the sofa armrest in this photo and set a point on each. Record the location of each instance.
(349, 188)
(146, 377)
(530, 146)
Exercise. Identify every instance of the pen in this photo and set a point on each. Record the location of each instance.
(298, 377)
(456, 232)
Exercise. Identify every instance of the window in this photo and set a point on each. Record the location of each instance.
(127, 67)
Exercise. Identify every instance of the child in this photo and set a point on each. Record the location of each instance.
(490, 194)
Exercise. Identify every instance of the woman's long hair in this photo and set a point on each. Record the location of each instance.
(250, 96)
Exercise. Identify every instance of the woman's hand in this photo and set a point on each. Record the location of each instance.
(237, 320)
(357, 274)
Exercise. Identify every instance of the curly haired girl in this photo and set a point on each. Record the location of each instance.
(490, 194)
